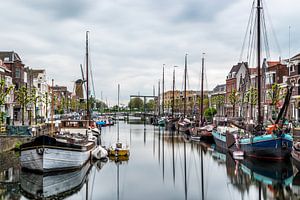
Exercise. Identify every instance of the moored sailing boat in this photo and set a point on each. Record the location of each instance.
(184, 124)
(275, 143)
(202, 132)
(118, 149)
(62, 151)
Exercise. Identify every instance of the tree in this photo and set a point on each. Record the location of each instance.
(23, 98)
(136, 103)
(34, 98)
(150, 105)
(209, 113)
(275, 94)
(218, 101)
(100, 105)
(4, 91)
(233, 99)
(251, 98)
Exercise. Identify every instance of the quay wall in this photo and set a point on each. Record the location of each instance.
(9, 142)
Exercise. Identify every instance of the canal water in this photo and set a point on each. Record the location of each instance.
(162, 165)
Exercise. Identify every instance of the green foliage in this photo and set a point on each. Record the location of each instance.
(150, 105)
(209, 113)
(2, 116)
(17, 145)
(233, 99)
(100, 105)
(251, 96)
(4, 91)
(136, 103)
(218, 100)
(23, 98)
(275, 94)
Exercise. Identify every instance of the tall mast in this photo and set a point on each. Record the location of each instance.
(258, 63)
(158, 98)
(185, 77)
(163, 91)
(118, 97)
(202, 95)
(52, 107)
(173, 95)
(118, 109)
(87, 78)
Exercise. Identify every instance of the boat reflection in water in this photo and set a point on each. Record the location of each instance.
(273, 179)
(56, 185)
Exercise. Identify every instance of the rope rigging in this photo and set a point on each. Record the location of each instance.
(250, 37)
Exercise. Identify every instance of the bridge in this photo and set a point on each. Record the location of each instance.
(144, 97)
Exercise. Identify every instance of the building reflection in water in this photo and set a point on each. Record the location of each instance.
(273, 180)
(265, 180)
(9, 176)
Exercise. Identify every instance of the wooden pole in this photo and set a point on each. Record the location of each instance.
(52, 107)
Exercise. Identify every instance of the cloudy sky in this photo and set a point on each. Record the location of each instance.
(130, 40)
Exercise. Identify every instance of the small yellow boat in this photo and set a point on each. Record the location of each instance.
(118, 149)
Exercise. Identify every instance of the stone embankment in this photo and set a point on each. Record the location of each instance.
(10, 142)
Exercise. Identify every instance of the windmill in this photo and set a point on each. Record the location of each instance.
(79, 87)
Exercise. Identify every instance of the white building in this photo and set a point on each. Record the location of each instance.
(39, 82)
(7, 108)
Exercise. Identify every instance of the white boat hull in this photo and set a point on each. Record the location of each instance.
(53, 159)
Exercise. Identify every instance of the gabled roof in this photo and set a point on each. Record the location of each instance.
(236, 68)
(9, 56)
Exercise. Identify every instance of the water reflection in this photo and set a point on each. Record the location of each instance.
(163, 165)
(9, 176)
(55, 185)
(272, 180)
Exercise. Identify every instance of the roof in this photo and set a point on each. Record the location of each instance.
(296, 57)
(36, 72)
(272, 63)
(236, 68)
(220, 88)
(10, 55)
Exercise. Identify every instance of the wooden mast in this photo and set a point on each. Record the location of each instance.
(52, 108)
(88, 115)
(202, 93)
(185, 77)
(158, 98)
(173, 95)
(118, 109)
(258, 63)
(163, 91)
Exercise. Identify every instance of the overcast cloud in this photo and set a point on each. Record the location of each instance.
(130, 40)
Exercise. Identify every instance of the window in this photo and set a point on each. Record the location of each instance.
(17, 73)
(39, 85)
